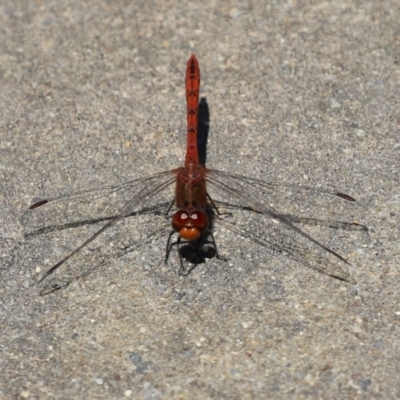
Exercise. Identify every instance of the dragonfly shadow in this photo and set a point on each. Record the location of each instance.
(203, 127)
(196, 253)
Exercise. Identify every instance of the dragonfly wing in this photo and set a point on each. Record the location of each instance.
(276, 238)
(302, 201)
(91, 206)
(278, 232)
(88, 261)
(141, 196)
(329, 223)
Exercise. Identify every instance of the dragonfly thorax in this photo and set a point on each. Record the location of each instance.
(190, 225)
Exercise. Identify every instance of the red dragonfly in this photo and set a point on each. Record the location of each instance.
(197, 206)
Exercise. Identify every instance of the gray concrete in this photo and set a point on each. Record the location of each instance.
(92, 93)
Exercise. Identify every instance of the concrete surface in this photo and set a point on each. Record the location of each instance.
(305, 92)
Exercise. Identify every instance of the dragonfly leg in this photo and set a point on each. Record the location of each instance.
(169, 246)
(168, 251)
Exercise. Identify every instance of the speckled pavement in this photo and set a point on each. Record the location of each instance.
(305, 92)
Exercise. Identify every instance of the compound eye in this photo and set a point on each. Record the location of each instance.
(200, 220)
(189, 225)
(180, 220)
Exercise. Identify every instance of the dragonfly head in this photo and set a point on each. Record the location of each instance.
(190, 225)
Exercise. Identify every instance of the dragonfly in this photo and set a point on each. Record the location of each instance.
(200, 193)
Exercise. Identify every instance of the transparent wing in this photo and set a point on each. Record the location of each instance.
(109, 204)
(89, 260)
(275, 210)
(90, 206)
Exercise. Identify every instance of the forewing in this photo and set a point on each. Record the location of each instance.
(281, 198)
(94, 205)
